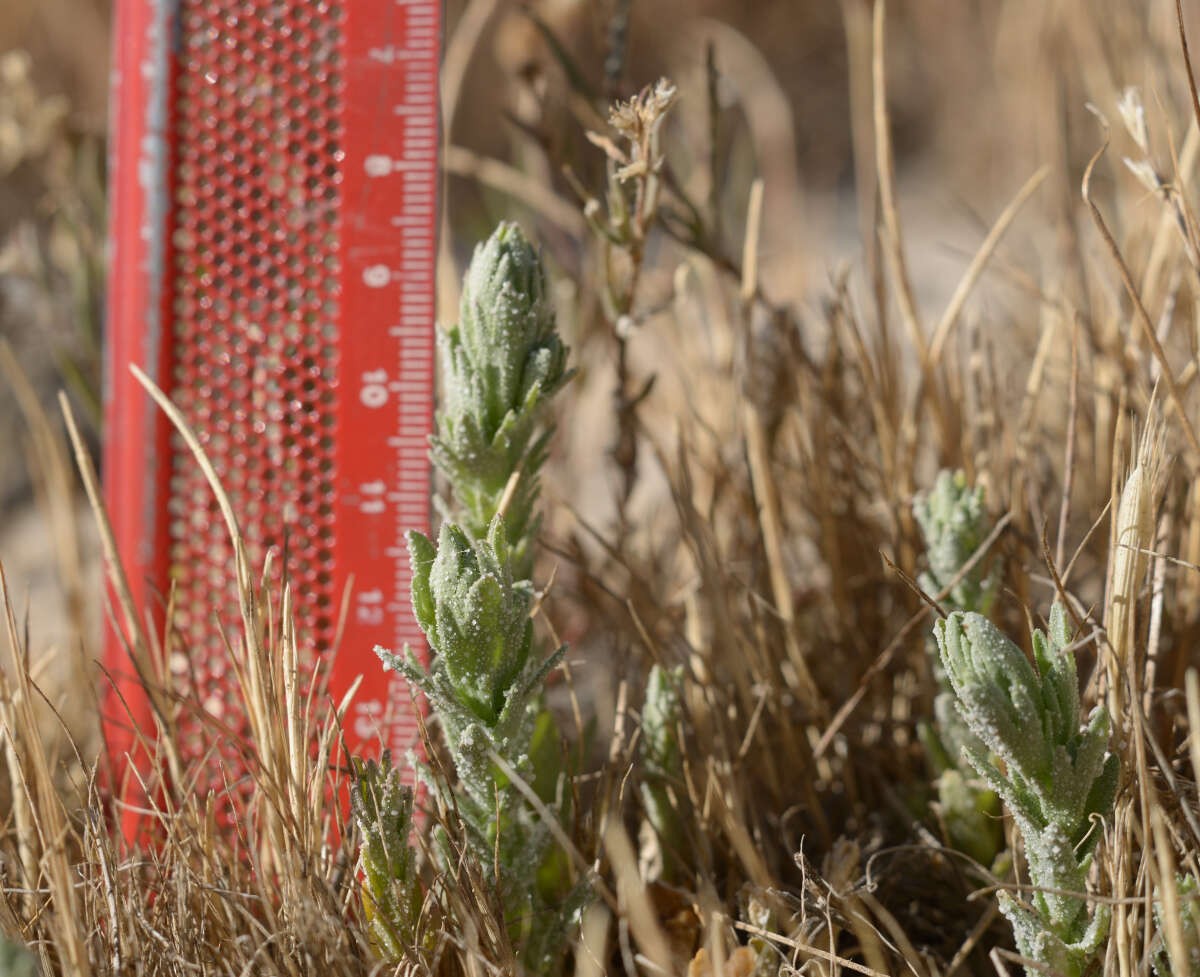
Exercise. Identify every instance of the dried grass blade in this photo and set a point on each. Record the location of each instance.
(886, 168)
(1143, 317)
(941, 332)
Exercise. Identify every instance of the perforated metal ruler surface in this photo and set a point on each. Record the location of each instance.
(273, 195)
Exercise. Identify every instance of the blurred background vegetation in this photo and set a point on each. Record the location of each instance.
(979, 95)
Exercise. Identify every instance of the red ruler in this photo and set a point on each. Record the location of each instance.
(272, 233)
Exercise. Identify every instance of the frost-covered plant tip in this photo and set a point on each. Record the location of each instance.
(1057, 779)
(499, 364)
(484, 684)
(954, 523)
(382, 807)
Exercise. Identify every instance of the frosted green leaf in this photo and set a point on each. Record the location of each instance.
(954, 523)
(1057, 776)
(997, 689)
(1187, 902)
(481, 629)
(660, 720)
(484, 684)
(382, 808)
(499, 364)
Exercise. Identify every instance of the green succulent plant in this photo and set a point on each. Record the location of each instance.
(954, 523)
(1187, 900)
(500, 363)
(1056, 778)
(484, 686)
(382, 807)
(472, 593)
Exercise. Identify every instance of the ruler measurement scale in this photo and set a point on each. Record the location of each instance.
(273, 234)
(391, 168)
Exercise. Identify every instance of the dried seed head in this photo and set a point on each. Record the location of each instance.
(1133, 114)
(1134, 528)
(1145, 172)
(644, 112)
(1134, 537)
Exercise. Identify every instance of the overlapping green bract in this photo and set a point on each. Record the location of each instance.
(484, 686)
(954, 524)
(1057, 779)
(382, 808)
(482, 682)
(499, 364)
(1187, 902)
(474, 614)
